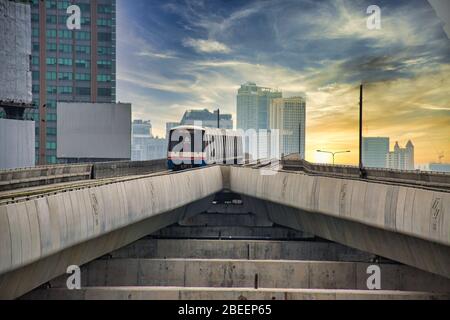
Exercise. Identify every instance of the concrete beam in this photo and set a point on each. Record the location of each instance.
(182, 293)
(233, 232)
(248, 273)
(241, 249)
(127, 168)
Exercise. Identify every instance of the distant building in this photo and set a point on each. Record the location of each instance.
(253, 104)
(170, 126)
(157, 148)
(401, 158)
(207, 118)
(439, 167)
(93, 132)
(141, 127)
(144, 146)
(375, 151)
(289, 117)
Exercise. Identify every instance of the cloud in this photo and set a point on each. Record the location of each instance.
(156, 55)
(206, 46)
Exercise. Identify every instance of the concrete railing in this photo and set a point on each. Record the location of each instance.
(47, 175)
(127, 168)
(38, 176)
(436, 179)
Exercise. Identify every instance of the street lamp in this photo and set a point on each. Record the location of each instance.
(334, 153)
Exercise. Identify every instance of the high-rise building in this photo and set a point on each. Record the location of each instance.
(288, 115)
(70, 65)
(253, 104)
(375, 151)
(401, 158)
(208, 119)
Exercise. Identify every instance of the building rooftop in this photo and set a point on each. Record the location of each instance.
(203, 115)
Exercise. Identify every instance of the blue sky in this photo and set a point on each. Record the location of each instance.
(178, 55)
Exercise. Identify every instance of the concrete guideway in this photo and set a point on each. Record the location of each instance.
(406, 224)
(412, 211)
(34, 230)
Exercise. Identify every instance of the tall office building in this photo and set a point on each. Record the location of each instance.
(289, 117)
(208, 119)
(253, 104)
(375, 151)
(70, 65)
(401, 158)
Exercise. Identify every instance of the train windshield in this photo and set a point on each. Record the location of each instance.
(186, 140)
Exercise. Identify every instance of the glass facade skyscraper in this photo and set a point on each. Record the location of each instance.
(70, 66)
(289, 117)
(375, 150)
(253, 104)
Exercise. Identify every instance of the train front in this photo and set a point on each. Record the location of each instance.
(186, 148)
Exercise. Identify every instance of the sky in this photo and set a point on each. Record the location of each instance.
(179, 55)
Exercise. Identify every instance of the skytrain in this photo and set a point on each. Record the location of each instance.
(193, 147)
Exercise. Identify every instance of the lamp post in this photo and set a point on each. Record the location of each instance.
(218, 118)
(334, 153)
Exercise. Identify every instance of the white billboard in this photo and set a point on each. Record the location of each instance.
(17, 144)
(93, 130)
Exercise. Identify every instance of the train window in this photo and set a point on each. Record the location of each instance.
(175, 140)
(182, 140)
